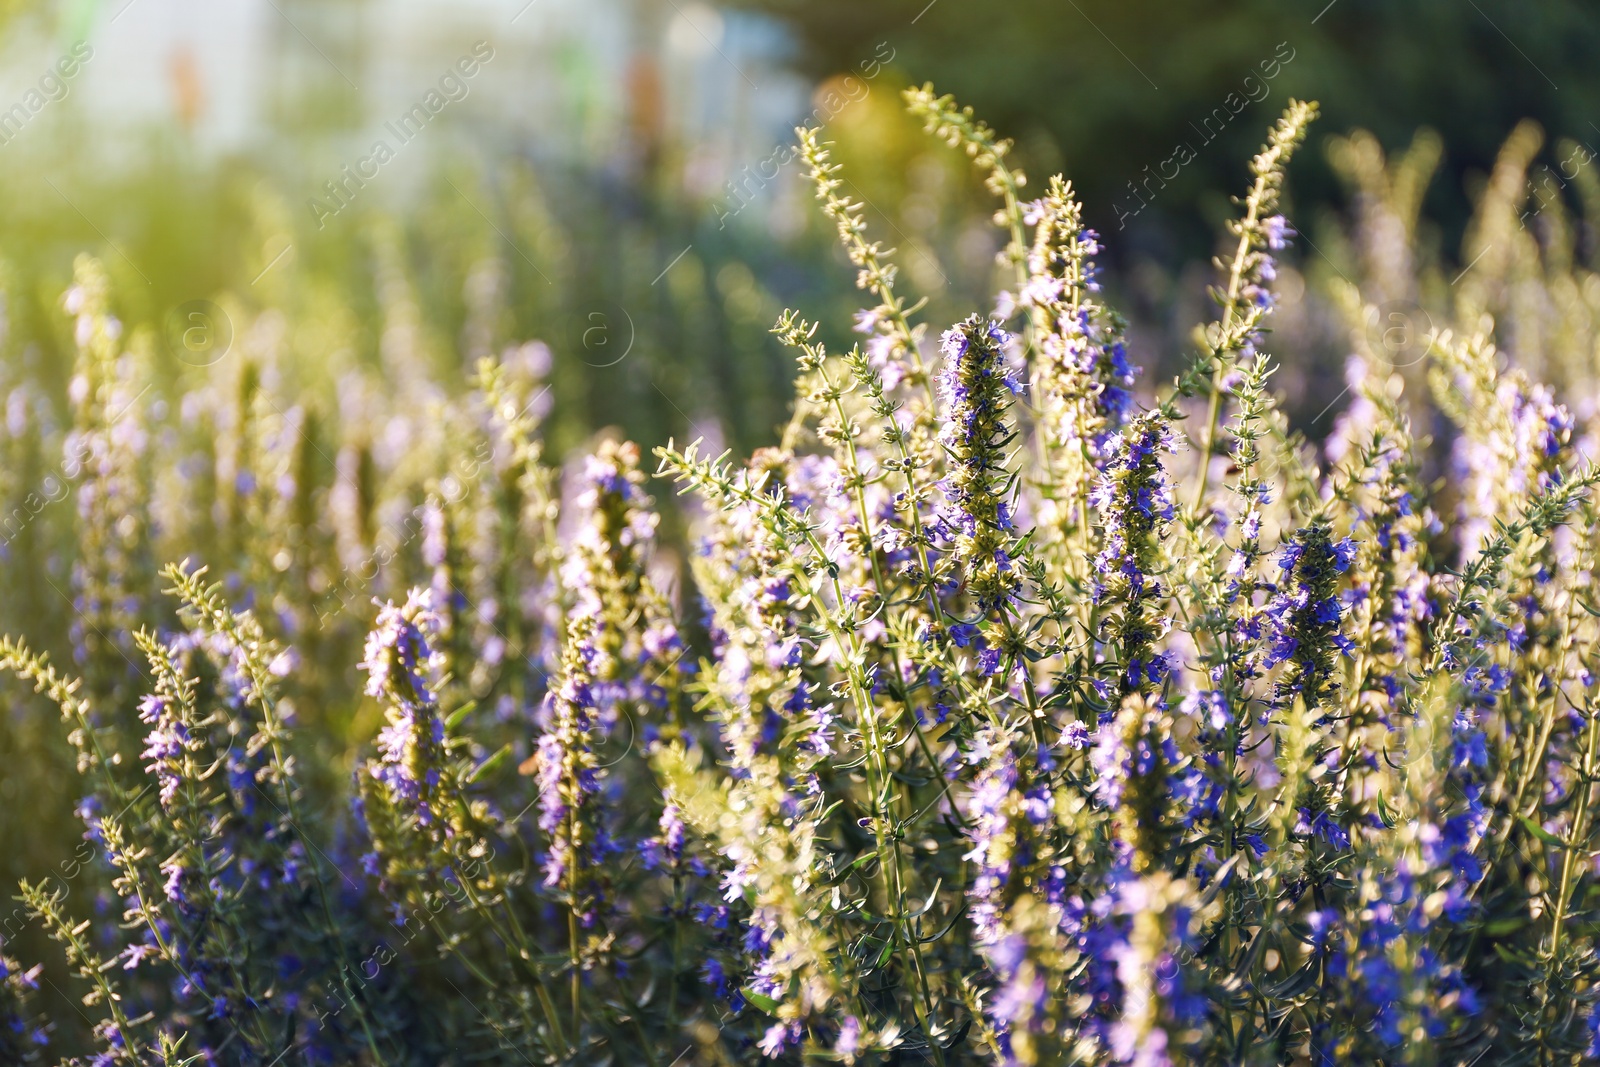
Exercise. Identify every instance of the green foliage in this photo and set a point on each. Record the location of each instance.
(1108, 90)
(1007, 709)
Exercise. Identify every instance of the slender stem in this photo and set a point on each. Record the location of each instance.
(1535, 758)
(677, 952)
(489, 983)
(1532, 761)
(1230, 306)
(518, 937)
(577, 974)
(1580, 834)
(88, 965)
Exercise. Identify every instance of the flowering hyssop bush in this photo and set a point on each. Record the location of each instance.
(1013, 708)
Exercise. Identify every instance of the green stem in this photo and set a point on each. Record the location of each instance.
(1230, 306)
(577, 975)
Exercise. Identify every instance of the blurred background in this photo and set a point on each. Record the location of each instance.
(614, 179)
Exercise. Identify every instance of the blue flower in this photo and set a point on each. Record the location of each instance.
(977, 384)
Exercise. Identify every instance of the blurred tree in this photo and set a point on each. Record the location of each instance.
(1119, 87)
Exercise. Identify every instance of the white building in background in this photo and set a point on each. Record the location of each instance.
(310, 84)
